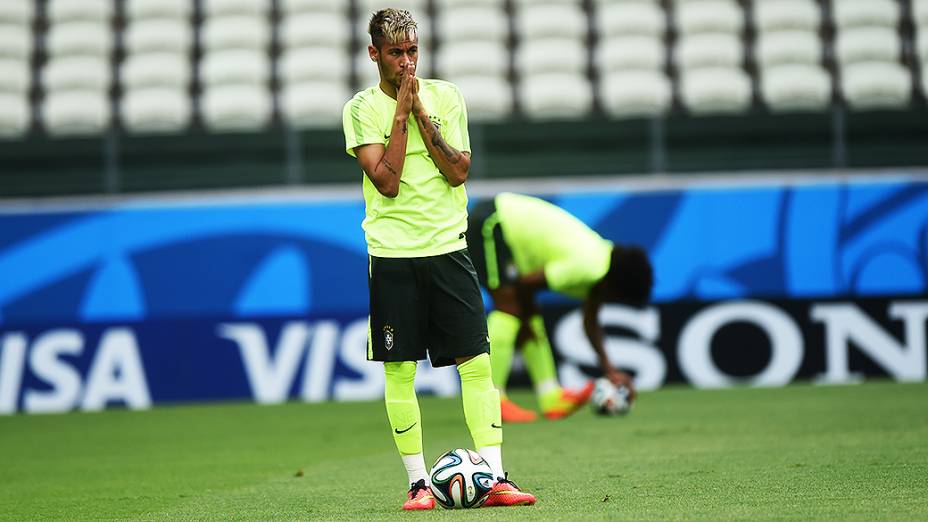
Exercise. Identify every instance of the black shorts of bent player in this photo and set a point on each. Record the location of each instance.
(492, 256)
(425, 307)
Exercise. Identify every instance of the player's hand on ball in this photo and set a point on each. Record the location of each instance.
(623, 379)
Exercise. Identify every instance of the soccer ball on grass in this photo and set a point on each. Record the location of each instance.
(461, 479)
(609, 399)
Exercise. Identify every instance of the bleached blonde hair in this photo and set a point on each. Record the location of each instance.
(393, 25)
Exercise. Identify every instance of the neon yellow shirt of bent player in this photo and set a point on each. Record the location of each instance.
(545, 237)
(428, 217)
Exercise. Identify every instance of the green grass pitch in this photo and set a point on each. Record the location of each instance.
(802, 453)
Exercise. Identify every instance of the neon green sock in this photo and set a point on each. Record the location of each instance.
(503, 329)
(402, 406)
(539, 360)
(481, 402)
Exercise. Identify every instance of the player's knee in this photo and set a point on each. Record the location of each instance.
(400, 372)
(475, 368)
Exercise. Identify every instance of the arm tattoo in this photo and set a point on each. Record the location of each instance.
(453, 156)
(389, 167)
(404, 127)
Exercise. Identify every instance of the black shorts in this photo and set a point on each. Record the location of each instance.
(492, 256)
(425, 306)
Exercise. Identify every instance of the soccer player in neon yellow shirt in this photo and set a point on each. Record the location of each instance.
(424, 295)
(521, 245)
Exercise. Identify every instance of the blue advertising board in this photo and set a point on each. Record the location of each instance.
(141, 303)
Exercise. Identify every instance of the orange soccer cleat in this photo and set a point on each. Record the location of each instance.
(569, 402)
(506, 493)
(512, 412)
(419, 497)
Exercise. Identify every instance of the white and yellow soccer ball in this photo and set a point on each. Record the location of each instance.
(461, 479)
(609, 399)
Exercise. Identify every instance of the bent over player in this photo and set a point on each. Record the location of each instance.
(410, 137)
(521, 245)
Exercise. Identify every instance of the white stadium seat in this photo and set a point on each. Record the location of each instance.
(632, 52)
(155, 70)
(315, 29)
(235, 32)
(708, 50)
(472, 57)
(158, 35)
(236, 66)
(556, 96)
(921, 45)
(629, 94)
(236, 107)
(920, 13)
(74, 10)
(15, 75)
(876, 85)
(156, 110)
(442, 4)
(630, 18)
(14, 114)
(781, 15)
(715, 90)
(17, 13)
(488, 98)
(795, 87)
(784, 47)
(473, 23)
(77, 72)
(314, 104)
(565, 55)
(866, 13)
(15, 41)
(865, 44)
(87, 38)
(255, 8)
(709, 16)
(551, 21)
(303, 65)
(291, 7)
(76, 112)
(142, 9)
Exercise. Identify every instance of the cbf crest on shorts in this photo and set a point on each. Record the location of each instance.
(388, 337)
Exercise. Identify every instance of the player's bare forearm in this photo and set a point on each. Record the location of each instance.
(594, 333)
(452, 163)
(384, 167)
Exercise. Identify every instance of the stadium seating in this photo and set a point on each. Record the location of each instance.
(483, 23)
(634, 93)
(488, 97)
(787, 15)
(76, 112)
(61, 11)
(789, 56)
(14, 114)
(156, 109)
(633, 17)
(16, 47)
(868, 54)
(194, 57)
(164, 9)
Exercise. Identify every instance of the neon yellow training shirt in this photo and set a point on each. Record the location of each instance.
(428, 217)
(545, 237)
